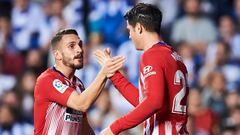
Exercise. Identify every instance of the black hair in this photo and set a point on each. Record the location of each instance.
(147, 15)
(60, 34)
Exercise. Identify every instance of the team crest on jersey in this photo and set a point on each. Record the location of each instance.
(59, 86)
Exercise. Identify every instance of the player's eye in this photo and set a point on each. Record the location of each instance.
(71, 46)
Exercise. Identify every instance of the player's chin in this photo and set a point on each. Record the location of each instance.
(78, 65)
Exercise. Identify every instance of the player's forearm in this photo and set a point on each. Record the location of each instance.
(92, 92)
(143, 111)
(129, 91)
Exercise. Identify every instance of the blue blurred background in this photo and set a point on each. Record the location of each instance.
(204, 32)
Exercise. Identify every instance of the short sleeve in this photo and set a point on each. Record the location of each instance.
(54, 90)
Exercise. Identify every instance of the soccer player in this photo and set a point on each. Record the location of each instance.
(60, 99)
(161, 100)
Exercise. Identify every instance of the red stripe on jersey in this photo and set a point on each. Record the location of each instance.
(162, 129)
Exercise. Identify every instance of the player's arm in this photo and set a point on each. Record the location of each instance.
(128, 90)
(152, 103)
(84, 100)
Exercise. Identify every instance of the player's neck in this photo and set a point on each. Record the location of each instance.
(150, 40)
(66, 71)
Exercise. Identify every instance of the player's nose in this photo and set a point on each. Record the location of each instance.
(79, 49)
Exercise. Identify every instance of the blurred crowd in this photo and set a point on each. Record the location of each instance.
(204, 32)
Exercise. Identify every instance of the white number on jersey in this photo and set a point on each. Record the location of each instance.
(177, 107)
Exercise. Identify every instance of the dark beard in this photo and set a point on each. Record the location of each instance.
(67, 62)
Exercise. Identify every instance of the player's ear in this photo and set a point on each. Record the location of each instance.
(57, 54)
(139, 28)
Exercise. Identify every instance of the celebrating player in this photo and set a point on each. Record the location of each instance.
(60, 99)
(161, 100)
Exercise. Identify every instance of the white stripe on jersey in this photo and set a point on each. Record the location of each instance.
(168, 128)
(140, 88)
(156, 127)
(55, 120)
(147, 129)
(65, 130)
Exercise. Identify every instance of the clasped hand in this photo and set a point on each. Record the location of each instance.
(109, 65)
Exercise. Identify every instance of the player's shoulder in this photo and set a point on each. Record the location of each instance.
(46, 75)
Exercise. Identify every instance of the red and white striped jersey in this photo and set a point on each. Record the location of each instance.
(161, 100)
(51, 114)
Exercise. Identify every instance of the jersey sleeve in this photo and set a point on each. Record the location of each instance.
(54, 90)
(128, 90)
(153, 101)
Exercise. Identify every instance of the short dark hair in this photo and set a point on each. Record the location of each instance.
(147, 15)
(60, 34)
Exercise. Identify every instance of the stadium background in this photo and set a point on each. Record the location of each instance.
(206, 34)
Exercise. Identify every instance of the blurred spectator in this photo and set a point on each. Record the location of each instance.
(8, 124)
(233, 120)
(11, 98)
(232, 100)
(74, 13)
(186, 52)
(111, 12)
(5, 35)
(236, 13)
(228, 34)
(7, 81)
(25, 90)
(8, 51)
(200, 114)
(95, 18)
(34, 61)
(26, 21)
(215, 9)
(229, 131)
(218, 58)
(194, 28)
(5, 8)
(214, 94)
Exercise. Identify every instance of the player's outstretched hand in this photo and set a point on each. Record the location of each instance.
(111, 65)
(102, 56)
(107, 131)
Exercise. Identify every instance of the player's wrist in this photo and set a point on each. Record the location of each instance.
(102, 74)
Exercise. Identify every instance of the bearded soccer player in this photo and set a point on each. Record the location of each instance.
(161, 100)
(60, 99)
